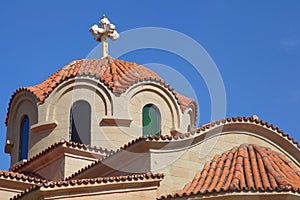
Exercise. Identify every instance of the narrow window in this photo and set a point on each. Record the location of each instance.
(151, 120)
(24, 136)
(80, 122)
(189, 128)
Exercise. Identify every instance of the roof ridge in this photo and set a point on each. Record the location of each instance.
(20, 176)
(197, 131)
(61, 143)
(216, 123)
(99, 180)
(125, 146)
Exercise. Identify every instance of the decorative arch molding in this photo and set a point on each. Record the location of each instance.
(188, 141)
(79, 83)
(23, 104)
(192, 112)
(161, 91)
(164, 87)
(18, 101)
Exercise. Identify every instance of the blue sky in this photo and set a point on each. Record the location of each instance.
(255, 45)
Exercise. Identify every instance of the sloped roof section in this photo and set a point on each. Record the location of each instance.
(93, 181)
(68, 144)
(232, 120)
(190, 135)
(20, 177)
(117, 75)
(248, 167)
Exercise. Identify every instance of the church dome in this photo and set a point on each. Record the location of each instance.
(117, 75)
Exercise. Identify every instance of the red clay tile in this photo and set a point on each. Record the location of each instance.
(100, 180)
(252, 167)
(20, 177)
(112, 72)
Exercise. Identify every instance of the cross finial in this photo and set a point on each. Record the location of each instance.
(102, 33)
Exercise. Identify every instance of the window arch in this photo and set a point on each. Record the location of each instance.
(151, 120)
(80, 122)
(24, 137)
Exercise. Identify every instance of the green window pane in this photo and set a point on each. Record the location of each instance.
(151, 120)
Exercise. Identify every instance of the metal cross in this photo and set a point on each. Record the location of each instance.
(101, 34)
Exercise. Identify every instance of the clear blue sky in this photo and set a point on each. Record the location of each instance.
(255, 44)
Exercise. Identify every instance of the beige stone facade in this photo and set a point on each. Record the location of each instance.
(181, 159)
(50, 121)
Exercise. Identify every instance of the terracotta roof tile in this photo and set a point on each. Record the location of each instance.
(57, 144)
(248, 167)
(20, 177)
(92, 181)
(117, 75)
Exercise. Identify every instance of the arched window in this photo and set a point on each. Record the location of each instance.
(80, 122)
(24, 136)
(151, 120)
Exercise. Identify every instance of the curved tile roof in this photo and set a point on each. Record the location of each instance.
(117, 75)
(248, 167)
(92, 181)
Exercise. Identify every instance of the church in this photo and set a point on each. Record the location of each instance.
(112, 129)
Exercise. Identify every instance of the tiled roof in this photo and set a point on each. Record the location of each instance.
(92, 181)
(184, 101)
(117, 75)
(19, 177)
(62, 143)
(197, 131)
(248, 167)
(125, 146)
(232, 120)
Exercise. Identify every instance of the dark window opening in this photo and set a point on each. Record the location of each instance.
(24, 137)
(80, 122)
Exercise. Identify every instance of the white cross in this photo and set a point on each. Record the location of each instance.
(101, 34)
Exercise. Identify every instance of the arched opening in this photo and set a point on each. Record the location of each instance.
(80, 122)
(24, 137)
(151, 120)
